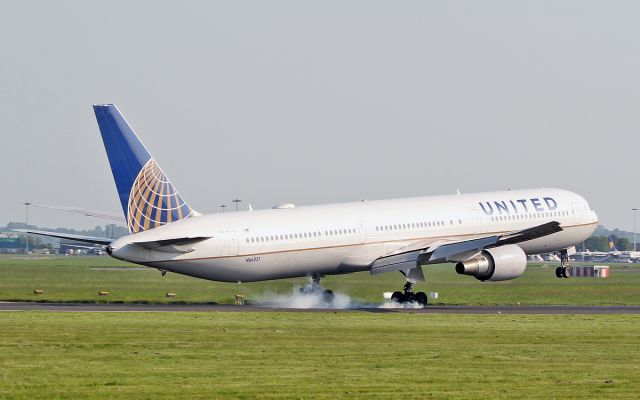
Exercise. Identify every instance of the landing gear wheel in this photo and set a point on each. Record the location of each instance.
(409, 297)
(564, 270)
(397, 297)
(313, 288)
(421, 299)
(559, 272)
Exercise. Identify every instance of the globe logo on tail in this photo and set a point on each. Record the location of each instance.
(153, 201)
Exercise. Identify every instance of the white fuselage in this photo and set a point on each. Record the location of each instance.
(348, 237)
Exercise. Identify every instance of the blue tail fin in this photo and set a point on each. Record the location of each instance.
(612, 244)
(147, 196)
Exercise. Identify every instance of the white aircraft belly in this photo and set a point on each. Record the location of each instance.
(259, 267)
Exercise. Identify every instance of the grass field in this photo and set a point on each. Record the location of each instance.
(354, 355)
(81, 278)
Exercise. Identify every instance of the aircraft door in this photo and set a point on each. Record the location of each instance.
(362, 232)
(232, 244)
(477, 221)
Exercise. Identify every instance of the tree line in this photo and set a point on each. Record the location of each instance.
(601, 243)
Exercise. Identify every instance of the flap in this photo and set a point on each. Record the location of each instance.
(396, 262)
(447, 250)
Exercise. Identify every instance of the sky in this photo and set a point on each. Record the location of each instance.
(317, 102)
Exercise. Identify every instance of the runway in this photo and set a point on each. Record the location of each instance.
(120, 307)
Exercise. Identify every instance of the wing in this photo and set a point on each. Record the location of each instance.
(444, 251)
(79, 238)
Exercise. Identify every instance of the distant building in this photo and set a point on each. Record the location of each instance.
(10, 243)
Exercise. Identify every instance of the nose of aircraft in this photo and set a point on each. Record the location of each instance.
(590, 215)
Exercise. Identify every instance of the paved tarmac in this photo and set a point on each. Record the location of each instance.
(119, 307)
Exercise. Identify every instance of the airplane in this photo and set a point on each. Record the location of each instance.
(622, 256)
(613, 255)
(613, 251)
(485, 235)
(552, 257)
(534, 258)
(588, 255)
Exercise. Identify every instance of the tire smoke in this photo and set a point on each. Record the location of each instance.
(312, 296)
(304, 299)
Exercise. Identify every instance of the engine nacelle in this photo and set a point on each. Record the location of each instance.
(495, 264)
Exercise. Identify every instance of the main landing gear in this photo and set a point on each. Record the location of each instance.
(564, 270)
(314, 288)
(408, 296)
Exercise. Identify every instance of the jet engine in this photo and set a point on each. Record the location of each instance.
(495, 264)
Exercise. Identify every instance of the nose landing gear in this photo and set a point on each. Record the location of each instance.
(408, 296)
(564, 270)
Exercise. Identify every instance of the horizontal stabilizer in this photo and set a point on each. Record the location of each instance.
(68, 236)
(176, 245)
